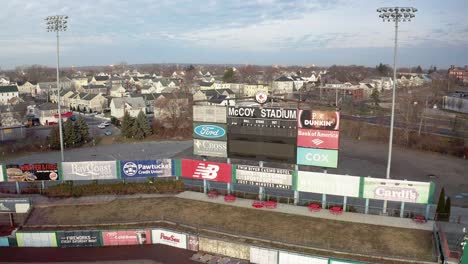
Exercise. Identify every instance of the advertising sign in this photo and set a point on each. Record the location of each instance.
(32, 172)
(396, 190)
(169, 238)
(193, 243)
(206, 170)
(322, 139)
(266, 177)
(209, 131)
(146, 168)
(89, 170)
(209, 113)
(1, 173)
(265, 151)
(126, 237)
(286, 257)
(316, 119)
(210, 148)
(78, 238)
(36, 239)
(317, 157)
(14, 205)
(263, 113)
(334, 184)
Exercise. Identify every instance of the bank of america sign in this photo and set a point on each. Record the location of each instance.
(210, 148)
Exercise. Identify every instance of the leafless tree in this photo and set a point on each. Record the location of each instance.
(174, 110)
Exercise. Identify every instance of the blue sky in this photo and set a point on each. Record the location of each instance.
(284, 32)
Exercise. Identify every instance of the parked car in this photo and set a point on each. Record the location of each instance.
(101, 126)
(105, 123)
(108, 133)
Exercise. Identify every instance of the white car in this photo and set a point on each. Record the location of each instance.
(101, 126)
(105, 123)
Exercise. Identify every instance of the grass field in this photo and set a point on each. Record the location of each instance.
(300, 230)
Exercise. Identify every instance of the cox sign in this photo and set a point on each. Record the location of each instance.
(209, 131)
(317, 157)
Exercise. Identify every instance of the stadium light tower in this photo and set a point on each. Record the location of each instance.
(396, 15)
(56, 24)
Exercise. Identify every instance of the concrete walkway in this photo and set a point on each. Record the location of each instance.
(303, 211)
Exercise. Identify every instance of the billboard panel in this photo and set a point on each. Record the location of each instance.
(206, 170)
(317, 157)
(78, 238)
(210, 148)
(291, 258)
(32, 172)
(321, 139)
(169, 238)
(333, 184)
(396, 190)
(1, 173)
(126, 237)
(210, 131)
(317, 119)
(209, 113)
(36, 239)
(14, 205)
(263, 255)
(146, 168)
(263, 113)
(266, 177)
(89, 170)
(267, 151)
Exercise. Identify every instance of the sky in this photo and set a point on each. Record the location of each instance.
(262, 32)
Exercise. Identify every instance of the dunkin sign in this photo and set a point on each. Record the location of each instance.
(316, 119)
(169, 238)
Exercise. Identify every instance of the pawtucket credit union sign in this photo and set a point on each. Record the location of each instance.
(206, 170)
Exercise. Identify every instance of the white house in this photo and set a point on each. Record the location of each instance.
(133, 105)
(28, 88)
(48, 114)
(283, 85)
(87, 102)
(118, 91)
(99, 80)
(251, 89)
(8, 92)
(79, 82)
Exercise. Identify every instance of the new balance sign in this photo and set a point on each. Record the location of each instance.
(322, 139)
(317, 157)
(206, 170)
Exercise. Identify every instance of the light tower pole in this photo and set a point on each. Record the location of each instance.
(396, 15)
(56, 24)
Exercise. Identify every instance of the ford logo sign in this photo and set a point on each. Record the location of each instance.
(209, 131)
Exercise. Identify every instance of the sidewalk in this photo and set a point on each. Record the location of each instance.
(303, 211)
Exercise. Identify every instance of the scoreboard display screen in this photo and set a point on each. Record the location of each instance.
(267, 134)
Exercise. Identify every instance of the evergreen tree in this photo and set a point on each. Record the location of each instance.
(82, 129)
(78, 109)
(142, 123)
(440, 210)
(229, 75)
(447, 209)
(375, 96)
(127, 125)
(70, 138)
(54, 138)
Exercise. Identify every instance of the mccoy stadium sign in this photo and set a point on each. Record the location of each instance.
(266, 113)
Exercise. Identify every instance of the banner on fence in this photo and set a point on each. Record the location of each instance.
(146, 168)
(335, 261)
(4, 242)
(89, 170)
(169, 238)
(333, 184)
(192, 243)
(266, 177)
(397, 190)
(14, 205)
(206, 170)
(78, 238)
(32, 172)
(263, 255)
(36, 239)
(1, 173)
(291, 258)
(126, 237)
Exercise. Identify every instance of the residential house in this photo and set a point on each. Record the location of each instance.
(409, 79)
(458, 72)
(7, 93)
(133, 105)
(283, 85)
(12, 115)
(94, 89)
(207, 85)
(46, 88)
(28, 87)
(298, 82)
(4, 80)
(118, 91)
(215, 96)
(250, 90)
(78, 82)
(48, 114)
(66, 83)
(457, 101)
(150, 100)
(64, 97)
(88, 102)
(100, 80)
